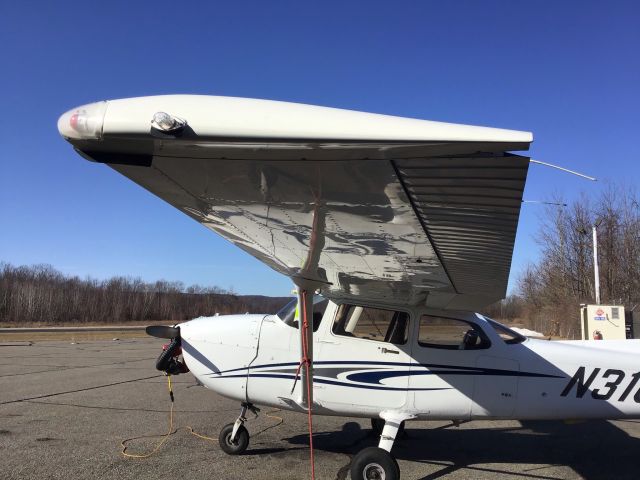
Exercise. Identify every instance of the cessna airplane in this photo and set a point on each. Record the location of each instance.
(394, 231)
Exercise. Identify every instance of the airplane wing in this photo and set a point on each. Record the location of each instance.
(381, 208)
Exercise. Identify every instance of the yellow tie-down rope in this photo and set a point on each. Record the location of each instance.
(190, 429)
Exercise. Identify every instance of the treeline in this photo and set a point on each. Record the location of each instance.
(547, 300)
(508, 310)
(41, 294)
(551, 290)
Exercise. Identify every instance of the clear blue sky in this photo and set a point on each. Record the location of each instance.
(568, 71)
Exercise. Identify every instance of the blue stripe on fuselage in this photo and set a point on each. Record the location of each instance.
(328, 381)
(440, 369)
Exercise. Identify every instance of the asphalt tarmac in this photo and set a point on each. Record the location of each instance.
(65, 408)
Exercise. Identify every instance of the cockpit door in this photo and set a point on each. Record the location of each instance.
(363, 359)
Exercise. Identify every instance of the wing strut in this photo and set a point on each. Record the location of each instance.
(307, 282)
(305, 301)
(306, 361)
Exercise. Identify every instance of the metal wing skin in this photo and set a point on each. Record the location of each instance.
(375, 208)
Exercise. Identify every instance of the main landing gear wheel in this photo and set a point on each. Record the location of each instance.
(377, 424)
(374, 463)
(238, 445)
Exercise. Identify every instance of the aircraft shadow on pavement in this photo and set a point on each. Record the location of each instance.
(594, 449)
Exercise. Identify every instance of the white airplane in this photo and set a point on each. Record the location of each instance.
(404, 226)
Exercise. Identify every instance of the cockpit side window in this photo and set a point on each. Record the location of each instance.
(318, 312)
(370, 323)
(289, 314)
(509, 336)
(451, 334)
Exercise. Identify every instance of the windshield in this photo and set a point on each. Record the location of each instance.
(505, 333)
(288, 313)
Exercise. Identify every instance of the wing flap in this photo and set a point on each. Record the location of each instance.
(472, 229)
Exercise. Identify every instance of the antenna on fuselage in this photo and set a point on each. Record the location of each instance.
(573, 172)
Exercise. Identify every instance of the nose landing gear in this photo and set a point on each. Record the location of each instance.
(234, 437)
(233, 444)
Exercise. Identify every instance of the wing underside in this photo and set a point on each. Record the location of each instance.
(392, 231)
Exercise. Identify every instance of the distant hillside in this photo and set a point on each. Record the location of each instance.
(42, 294)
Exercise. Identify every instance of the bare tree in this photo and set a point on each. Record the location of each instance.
(553, 289)
(41, 294)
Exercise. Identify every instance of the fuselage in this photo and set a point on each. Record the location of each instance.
(416, 368)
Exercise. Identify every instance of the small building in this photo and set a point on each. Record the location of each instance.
(603, 322)
(633, 323)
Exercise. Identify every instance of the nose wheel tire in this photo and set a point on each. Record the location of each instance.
(238, 445)
(374, 463)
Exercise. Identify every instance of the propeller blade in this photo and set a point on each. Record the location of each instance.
(163, 331)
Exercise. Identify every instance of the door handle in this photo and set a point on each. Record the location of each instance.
(386, 350)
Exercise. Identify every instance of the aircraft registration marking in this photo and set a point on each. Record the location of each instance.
(615, 378)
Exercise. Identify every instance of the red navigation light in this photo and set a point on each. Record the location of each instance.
(85, 122)
(73, 121)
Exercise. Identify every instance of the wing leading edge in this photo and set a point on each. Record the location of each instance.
(394, 210)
